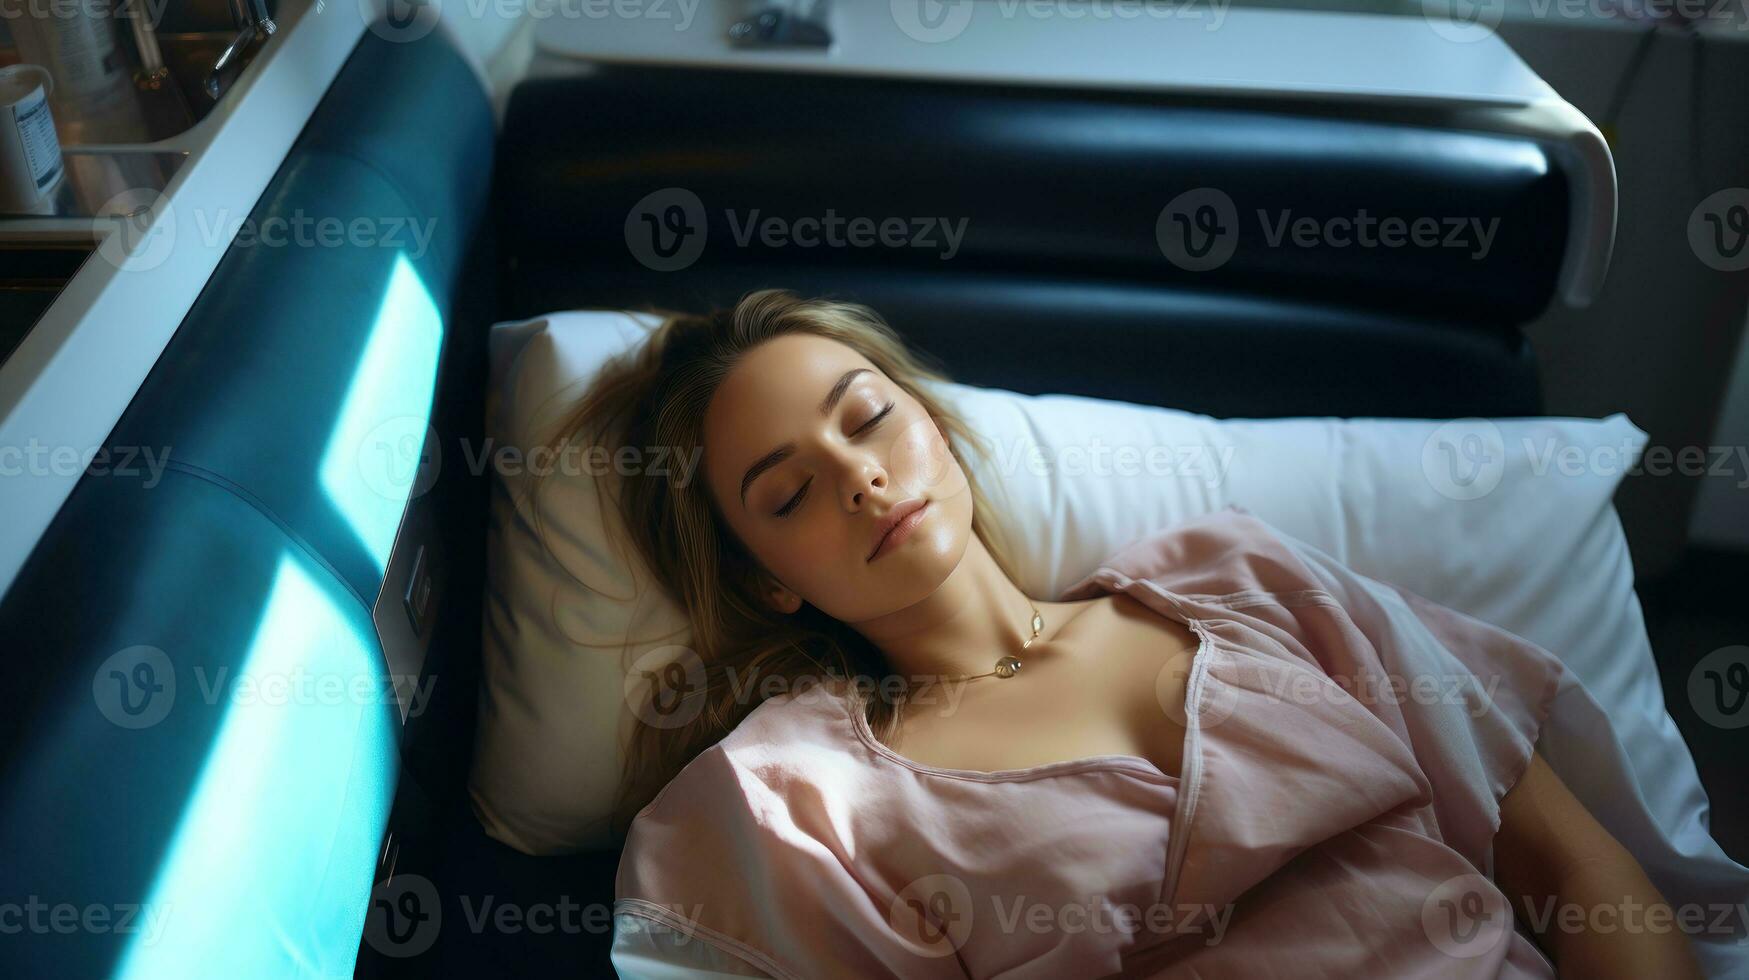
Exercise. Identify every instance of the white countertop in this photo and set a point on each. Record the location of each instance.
(1190, 46)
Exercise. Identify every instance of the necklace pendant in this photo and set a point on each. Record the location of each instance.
(1007, 666)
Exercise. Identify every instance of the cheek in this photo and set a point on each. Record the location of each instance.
(922, 462)
(796, 549)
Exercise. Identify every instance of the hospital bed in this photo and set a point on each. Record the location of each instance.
(258, 545)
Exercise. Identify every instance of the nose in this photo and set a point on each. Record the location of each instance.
(861, 474)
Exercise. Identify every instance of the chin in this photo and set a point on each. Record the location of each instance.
(920, 565)
(939, 546)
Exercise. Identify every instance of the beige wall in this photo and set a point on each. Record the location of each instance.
(1660, 342)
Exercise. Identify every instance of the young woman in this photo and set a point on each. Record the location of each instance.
(1220, 754)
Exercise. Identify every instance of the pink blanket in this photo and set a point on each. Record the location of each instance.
(1347, 747)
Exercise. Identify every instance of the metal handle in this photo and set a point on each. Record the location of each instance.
(252, 22)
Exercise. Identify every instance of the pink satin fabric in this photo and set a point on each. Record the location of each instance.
(1347, 747)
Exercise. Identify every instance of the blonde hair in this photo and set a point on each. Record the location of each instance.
(655, 394)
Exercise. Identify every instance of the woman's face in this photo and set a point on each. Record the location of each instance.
(807, 447)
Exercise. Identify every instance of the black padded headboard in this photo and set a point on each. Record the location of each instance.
(1059, 281)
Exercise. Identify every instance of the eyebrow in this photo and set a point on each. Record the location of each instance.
(784, 451)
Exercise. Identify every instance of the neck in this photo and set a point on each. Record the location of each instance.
(976, 616)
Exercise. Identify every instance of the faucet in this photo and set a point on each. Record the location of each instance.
(152, 72)
(252, 22)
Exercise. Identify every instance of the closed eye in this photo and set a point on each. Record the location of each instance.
(873, 421)
(869, 426)
(795, 501)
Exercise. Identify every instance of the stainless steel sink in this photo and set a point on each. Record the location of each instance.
(137, 147)
(191, 40)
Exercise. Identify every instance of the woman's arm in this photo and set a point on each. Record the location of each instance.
(1589, 902)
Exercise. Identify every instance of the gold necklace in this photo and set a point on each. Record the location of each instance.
(1009, 665)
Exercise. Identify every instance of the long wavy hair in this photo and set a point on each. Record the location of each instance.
(655, 394)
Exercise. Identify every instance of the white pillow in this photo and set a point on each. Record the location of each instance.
(1510, 521)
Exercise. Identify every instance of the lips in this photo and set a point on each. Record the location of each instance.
(900, 511)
